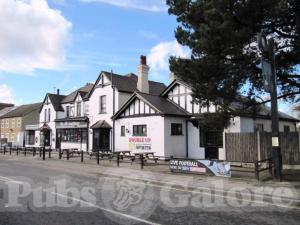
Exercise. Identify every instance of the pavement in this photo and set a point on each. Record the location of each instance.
(55, 191)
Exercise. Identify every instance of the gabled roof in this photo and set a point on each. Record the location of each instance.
(162, 105)
(264, 111)
(101, 124)
(5, 105)
(83, 91)
(6, 110)
(56, 101)
(128, 83)
(22, 110)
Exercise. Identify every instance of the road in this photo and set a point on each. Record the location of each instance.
(31, 193)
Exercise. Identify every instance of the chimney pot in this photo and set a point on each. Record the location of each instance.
(143, 60)
(58, 91)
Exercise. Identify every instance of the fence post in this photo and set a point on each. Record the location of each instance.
(4, 150)
(24, 151)
(118, 159)
(258, 146)
(44, 153)
(81, 156)
(68, 154)
(40, 150)
(33, 153)
(256, 170)
(59, 153)
(9, 151)
(50, 153)
(98, 157)
(17, 151)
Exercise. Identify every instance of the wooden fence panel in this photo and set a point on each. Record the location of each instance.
(289, 143)
(241, 147)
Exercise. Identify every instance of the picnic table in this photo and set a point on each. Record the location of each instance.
(123, 154)
(102, 153)
(145, 155)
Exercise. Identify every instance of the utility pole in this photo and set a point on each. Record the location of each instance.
(270, 83)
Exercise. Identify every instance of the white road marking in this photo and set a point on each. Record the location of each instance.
(6, 179)
(107, 210)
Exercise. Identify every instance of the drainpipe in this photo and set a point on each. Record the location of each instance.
(114, 99)
(186, 139)
(88, 135)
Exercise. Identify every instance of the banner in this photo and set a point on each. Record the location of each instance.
(202, 166)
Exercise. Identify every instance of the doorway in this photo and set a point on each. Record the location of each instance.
(101, 139)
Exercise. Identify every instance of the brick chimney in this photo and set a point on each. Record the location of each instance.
(57, 91)
(143, 69)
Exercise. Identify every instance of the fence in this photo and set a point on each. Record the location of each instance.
(251, 147)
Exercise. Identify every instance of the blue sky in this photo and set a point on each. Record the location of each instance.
(49, 44)
(92, 36)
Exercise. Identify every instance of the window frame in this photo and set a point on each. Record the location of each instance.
(175, 132)
(138, 130)
(123, 131)
(102, 107)
(78, 109)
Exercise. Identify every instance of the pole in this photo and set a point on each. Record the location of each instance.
(44, 153)
(267, 48)
(276, 151)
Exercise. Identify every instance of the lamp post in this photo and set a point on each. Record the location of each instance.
(270, 84)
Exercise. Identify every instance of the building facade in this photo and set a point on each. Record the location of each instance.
(169, 125)
(14, 122)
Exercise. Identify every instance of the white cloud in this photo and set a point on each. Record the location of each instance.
(6, 94)
(158, 59)
(147, 5)
(32, 36)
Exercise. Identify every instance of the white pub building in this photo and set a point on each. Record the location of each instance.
(129, 112)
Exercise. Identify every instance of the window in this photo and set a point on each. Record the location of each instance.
(13, 123)
(12, 137)
(19, 123)
(286, 128)
(259, 127)
(102, 104)
(176, 129)
(86, 109)
(7, 123)
(30, 137)
(78, 108)
(2, 123)
(68, 111)
(49, 115)
(72, 111)
(77, 135)
(122, 131)
(139, 130)
(45, 115)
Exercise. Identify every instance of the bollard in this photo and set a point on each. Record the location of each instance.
(44, 153)
(142, 161)
(98, 158)
(40, 149)
(68, 154)
(118, 159)
(33, 153)
(4, 150)
(81, 156)
(17, 151)
(50, 153)
(59, 153)
(24, 151)
(9, 151)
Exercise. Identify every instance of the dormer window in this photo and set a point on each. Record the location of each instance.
(68, 111)
(78, 108)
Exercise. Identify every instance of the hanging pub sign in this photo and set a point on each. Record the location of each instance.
(202, 166)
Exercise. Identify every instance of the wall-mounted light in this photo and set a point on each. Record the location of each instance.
(127, 131)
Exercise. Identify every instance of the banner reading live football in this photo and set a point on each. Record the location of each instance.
(201, 167)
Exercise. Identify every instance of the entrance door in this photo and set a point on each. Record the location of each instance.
(213, 141)
(47, 136)
(101, 139)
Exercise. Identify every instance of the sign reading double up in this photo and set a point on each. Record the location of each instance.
(200, 167)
